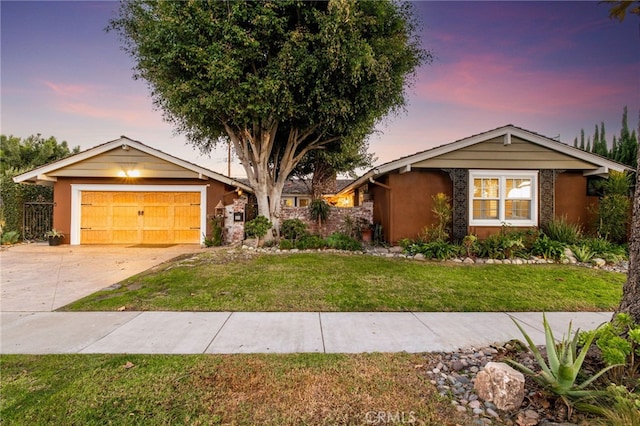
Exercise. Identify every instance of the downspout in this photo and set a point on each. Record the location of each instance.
(390, 205)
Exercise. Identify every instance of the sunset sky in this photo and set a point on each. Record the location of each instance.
(550, 67)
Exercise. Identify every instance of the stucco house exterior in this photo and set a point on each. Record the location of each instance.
(505, 176)
(125, 192)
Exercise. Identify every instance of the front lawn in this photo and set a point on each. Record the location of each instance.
(312, 389)
(230, 280)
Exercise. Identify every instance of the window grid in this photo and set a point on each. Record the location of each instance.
(503, 197)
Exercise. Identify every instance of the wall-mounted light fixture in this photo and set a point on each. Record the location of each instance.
(129, 173)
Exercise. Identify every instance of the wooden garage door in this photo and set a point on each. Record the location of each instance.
(140, 217)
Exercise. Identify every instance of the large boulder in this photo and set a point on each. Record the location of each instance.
(500, 384)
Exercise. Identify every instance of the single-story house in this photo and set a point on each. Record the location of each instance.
(506, 176)
(125, 192)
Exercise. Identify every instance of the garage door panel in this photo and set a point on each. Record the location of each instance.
(158, 217)
(126, 217)
(160, 198)
(157, 236)
(187, 198)
(126, 198)
(187, 217)
(94, 216)
(92, 236)
(186, 236)
(125, 236)
(140, 217)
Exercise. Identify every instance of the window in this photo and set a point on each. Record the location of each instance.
(287, 202)
(304, 202)
(502, 196)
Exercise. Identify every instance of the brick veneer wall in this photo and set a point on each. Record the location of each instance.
(234, 231)
(335, 222)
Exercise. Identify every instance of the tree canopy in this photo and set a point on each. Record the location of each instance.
(33, 151)
(277, 78)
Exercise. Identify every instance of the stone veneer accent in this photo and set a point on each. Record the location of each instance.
(234, 231)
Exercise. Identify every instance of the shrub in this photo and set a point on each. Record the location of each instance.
(470, 245)
(503, 245)
(319, 210)
(619, 345)
(10, 237)
(258, 227)
(548, 248)
(341, 241)
(606, 249)
(310, 242)
(582, 253)
(561, 230)
(292, 229)
(285, 245)
(216, 238)
(614, 210)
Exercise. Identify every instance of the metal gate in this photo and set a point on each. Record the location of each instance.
(36, 220)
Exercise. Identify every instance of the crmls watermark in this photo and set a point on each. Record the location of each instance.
(390, 417)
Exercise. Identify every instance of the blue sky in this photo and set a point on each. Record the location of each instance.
(550, 67)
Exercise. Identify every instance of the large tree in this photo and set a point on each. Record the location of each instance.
(277, 78)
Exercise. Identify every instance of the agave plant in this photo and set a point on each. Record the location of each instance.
(561, 373)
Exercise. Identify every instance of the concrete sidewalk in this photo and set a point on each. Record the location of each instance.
(272, 332)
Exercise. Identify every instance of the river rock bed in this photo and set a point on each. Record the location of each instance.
(454, 373)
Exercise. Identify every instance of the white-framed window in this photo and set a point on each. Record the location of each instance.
(499, 197)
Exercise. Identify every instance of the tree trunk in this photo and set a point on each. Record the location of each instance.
(631, 291)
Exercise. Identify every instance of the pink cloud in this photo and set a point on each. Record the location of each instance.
(493, 82)
(69, 90)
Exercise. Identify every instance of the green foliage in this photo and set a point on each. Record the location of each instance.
(10, 237)
(293, 229)
(619, 345)
(340, 241)
(624, 148)
(560, 375)
(431, 250)
(54, 233)
(548, 248)
(470, 245)
(216, 238)
(285, 245)
(561, 230)
(31, 152)
(300, 75)
(606, 249)
(503, 245)
(582, 253)
(614, 209)
(319, 210)
(258, 227)
(310, 242)
(17, 156)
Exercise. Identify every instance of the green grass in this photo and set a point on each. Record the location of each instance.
(240, 281)
(312, 389)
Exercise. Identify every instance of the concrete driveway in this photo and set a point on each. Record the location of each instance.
(37, 277)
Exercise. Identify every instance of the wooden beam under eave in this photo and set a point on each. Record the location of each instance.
(45, 178)
(600, 171)
(405, 169)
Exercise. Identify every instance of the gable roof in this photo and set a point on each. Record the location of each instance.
(45, 174)
(598, 165)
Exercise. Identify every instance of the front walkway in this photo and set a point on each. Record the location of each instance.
(272, 332)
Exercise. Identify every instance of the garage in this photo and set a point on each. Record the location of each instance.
(126, 192)
(139, 217)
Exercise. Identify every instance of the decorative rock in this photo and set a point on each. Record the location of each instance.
(528, 418)
(468, 260)
(456, 260)
(419, 256)
(500, 384)
(396, 249)
(598, 262)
